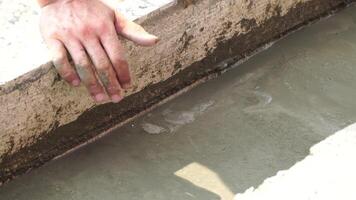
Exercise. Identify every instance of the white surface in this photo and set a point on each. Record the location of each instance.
(21, 46)
(329, 172)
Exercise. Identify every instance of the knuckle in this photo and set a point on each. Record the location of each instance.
(60, 32)
(83, 70)
(104, 66)
(58, 62)
(84, 30)
(120, 63)
(121, 24)
(84, 63)
(102, 27)
(112, 86)
(59, 58)
(104, 78)
(94, 87)
(67, 75)
(113, 90)
(51, 34)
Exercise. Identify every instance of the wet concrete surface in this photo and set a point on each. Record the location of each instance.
(223, 136)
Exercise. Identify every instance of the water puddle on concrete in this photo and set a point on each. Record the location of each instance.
(224, 136)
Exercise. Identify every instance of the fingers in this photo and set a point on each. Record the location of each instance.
(115, 52)
(104, 68)
(61, 62)
(85, 70)
(133, 31)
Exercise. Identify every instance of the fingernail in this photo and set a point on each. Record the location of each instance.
(100, 97)
(153, 37)
(75, 82)
(116, 98)
(157, 40)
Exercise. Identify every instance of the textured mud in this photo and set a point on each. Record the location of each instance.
(43, 117)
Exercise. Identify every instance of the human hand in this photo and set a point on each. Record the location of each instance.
(88, 30)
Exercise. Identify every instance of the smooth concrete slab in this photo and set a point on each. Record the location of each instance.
(327, 173)
(224, 136)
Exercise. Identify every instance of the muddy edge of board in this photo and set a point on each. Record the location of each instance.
(42, 117)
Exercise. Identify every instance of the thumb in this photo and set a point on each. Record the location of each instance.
(134, 32)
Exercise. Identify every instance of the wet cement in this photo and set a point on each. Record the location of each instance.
(224, 136)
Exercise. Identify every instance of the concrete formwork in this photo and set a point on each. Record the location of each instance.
(43, 117)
